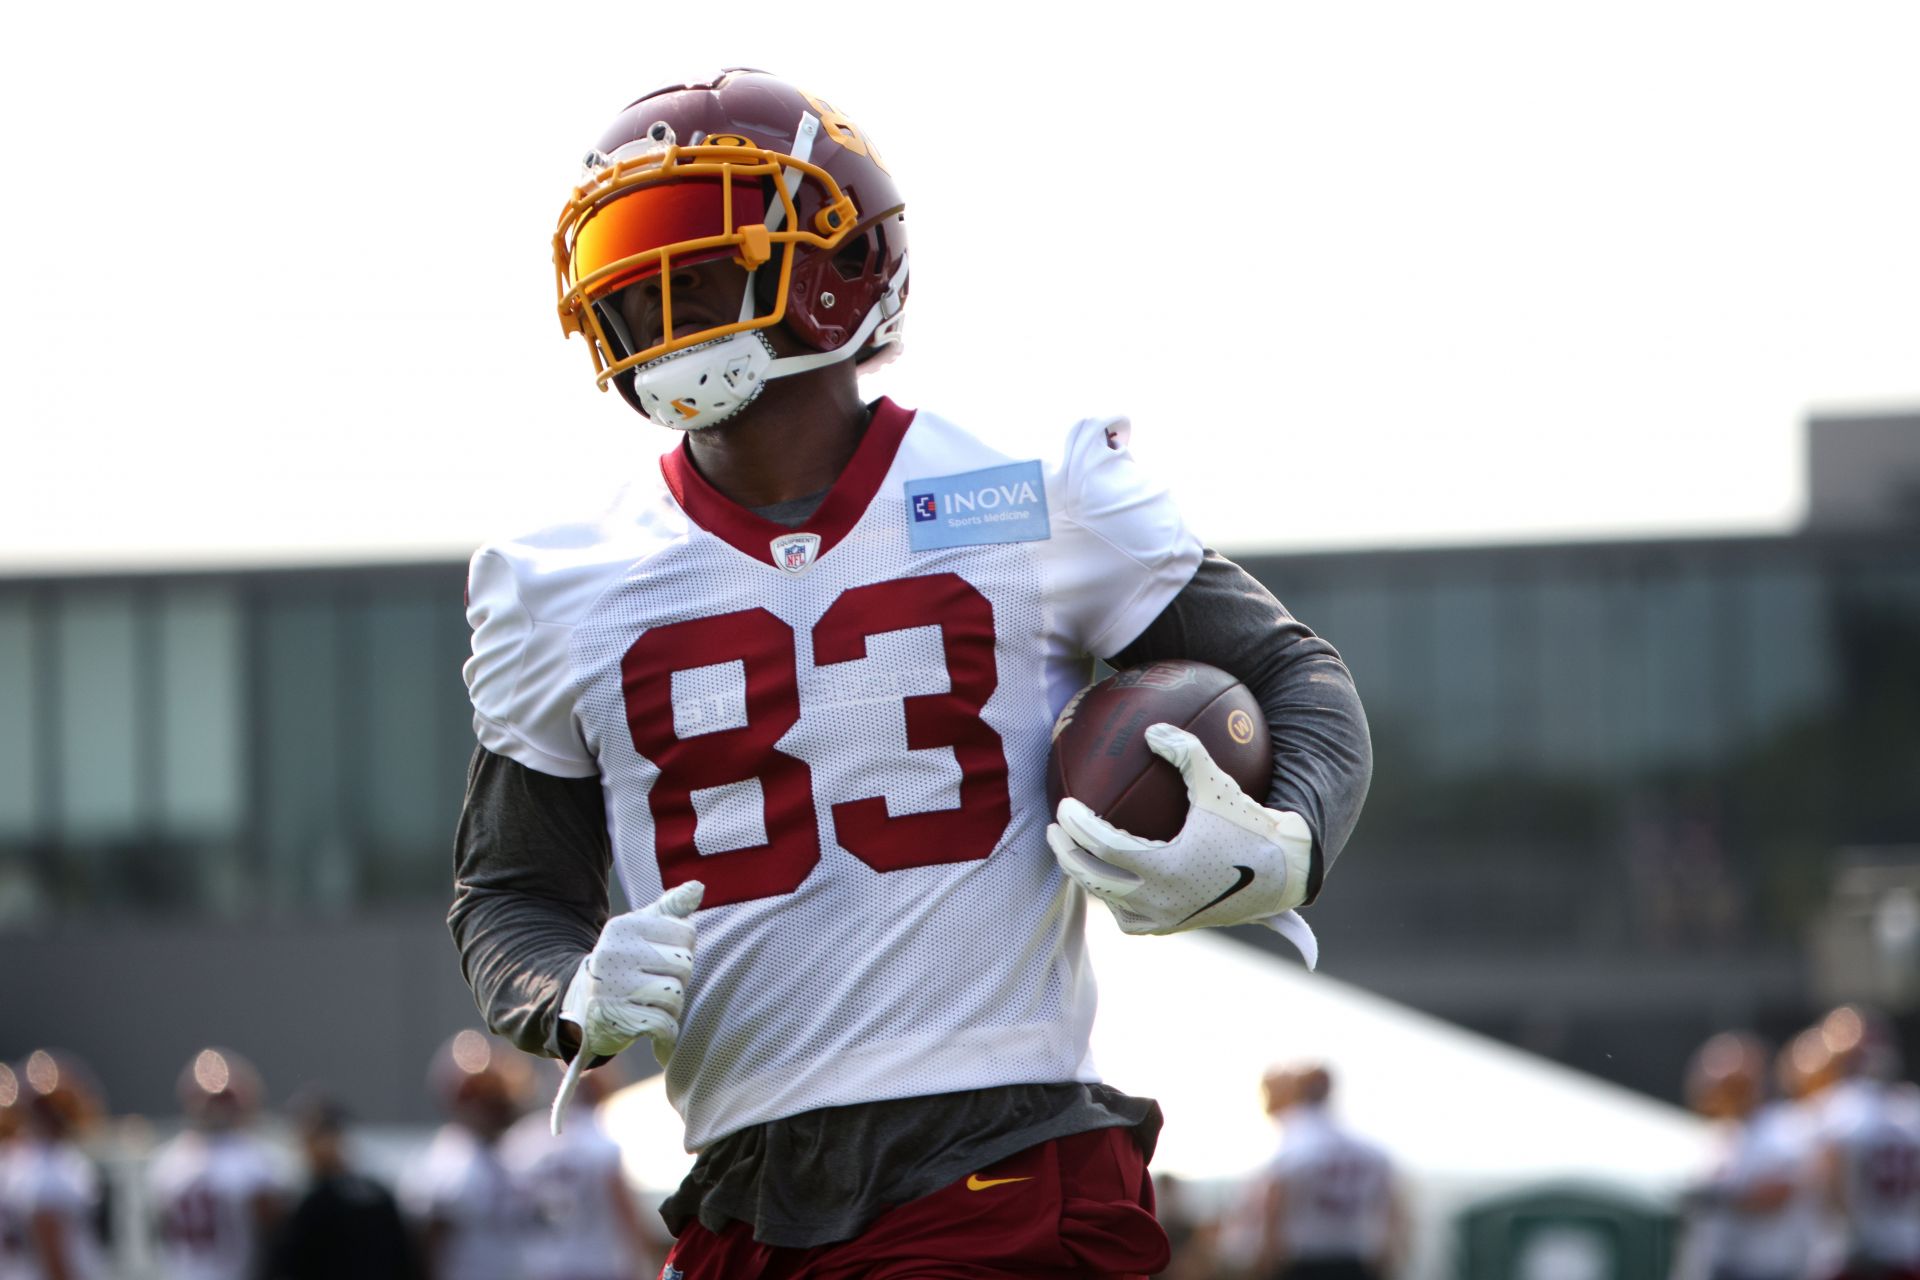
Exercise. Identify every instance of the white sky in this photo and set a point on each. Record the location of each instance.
(277, 284)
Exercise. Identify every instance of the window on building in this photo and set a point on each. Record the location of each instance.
(202, 713)
(306, 820)
(20, 771)
(98, 726)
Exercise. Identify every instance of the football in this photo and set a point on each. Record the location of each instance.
(1100, 755)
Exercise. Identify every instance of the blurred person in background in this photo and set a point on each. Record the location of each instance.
(589, 1225)
(13, 1233)
(345, 1224)
(51, 1198)
(1189, 1234)
(1330, 1210)
(1241, 1228)
(216, 1187)
(1870, 1150)
(1802, 1075)
(1802, 1072)
(1754, 1217)
(474, 1221)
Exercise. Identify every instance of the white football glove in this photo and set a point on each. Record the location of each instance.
(632, 984)
(634, 981)
(1235, 861)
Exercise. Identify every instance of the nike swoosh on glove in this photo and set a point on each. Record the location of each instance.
(1235, 861)
(634, 981)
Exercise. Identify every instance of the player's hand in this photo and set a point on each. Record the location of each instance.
(1235, 861)
(634, 981)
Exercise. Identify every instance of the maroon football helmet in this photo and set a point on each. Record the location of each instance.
(219, 1089)
(12, 1113)
(479, 1081)
(750, 168)
(61, 1096)
(1727, 1077)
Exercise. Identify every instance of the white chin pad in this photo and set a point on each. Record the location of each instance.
(705, 384)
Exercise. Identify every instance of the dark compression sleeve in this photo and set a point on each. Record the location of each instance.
(1322, 755)
(530, 866)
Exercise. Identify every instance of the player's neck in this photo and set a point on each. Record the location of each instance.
(792, 441)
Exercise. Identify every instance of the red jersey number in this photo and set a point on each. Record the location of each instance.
(192, 1220)
(1893, 1172)
(764, 646)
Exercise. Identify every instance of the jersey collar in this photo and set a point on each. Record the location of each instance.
(845, 502)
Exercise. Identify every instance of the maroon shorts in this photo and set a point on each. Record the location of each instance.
(1076, 1208)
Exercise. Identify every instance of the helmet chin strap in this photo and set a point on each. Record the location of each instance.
(704, 385)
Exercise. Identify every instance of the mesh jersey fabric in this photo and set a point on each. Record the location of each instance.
(850, 757)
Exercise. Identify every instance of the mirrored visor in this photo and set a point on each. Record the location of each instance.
(658, 215)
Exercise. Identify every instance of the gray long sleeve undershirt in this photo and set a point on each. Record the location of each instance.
(1322, 753)
(531, 861)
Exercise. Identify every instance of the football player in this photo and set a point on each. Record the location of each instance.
(1803, 1076)
(797, 684)
(216, 1187)
(1870, 1149)
(473, 1220)
(1331, 1211)
(51, 1198)
(590, 1226)
(1754, 1216)
(13, 1230)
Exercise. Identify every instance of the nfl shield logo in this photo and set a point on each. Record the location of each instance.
(795, 552)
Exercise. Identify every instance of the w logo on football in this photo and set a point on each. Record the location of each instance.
(796, 552)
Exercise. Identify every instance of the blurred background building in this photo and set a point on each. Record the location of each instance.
(1626, 794)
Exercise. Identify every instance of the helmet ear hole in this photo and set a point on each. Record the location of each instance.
(854, 259)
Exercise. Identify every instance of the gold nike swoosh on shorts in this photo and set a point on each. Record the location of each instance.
(977, 1183)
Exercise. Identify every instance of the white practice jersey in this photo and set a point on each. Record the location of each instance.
(1876, 1146)
(39, 1177)
(1337, 1190)
(571, 1180)
(1844, 1103)
(1777, 1144)
(13, 1227)
(483, 1221)
(841, 730)
(206, 1188)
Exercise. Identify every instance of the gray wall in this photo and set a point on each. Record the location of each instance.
(359, 1003)
(1863, 471)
